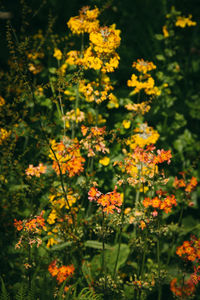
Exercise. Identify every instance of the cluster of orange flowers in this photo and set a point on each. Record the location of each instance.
(109, 202)
(30, 229)
(181, 183)
(36, 171)
(190, 250)
(66, 157)
(142, 163)
(157, 202)
(94, 140)
(182, 290)
(61, 273)
(32, 225)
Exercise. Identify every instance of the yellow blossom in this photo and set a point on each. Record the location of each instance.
(143, 66)
(113, 101)
(57, 54)
(85, 22)
(4, 135)
(183, 21)
(2, 101)
(104, 161)
(165, 31)
(126, 124)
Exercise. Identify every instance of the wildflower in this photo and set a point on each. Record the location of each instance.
(36, 171)
(126, 124)
(57, 54)
(140, 108)
(4, 135)
(182, 291)
(104, 161)
(165, 204)
(183, 21)
(143, 66)
(86, 22)
(2, 101)
(145, 135)
(165, 31)
(109, 202)
(61, 273)
(68, 158)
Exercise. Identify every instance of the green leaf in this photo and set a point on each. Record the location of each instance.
(95, 245)
(111, 256)
(60, 246)
(160, 57)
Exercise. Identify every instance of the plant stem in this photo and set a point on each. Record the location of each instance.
(158, 261)
(175, 236)
(120, 233)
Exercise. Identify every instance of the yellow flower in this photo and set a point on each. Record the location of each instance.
(85, 22)
(2, 101)
(143, 66)
(183, 21)
(104, 161)
(165, 31)
(57, 54)
(126, 124)
(113, 101)
(4, 135)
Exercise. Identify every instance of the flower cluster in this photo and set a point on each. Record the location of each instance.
(103, 41)
(182, 290)
(109, 202)
(183, 21)
(66, 157)
(94, 140)
(190, 250)
(86, 22)
(62, 273)
(144, 81)
(182, 183)
(145, 135)
(141, 164)
(58, 202)
(32, 225)
(76, 116)
(4, 135)
(161, 201)
(36, 171)
(29, 229)
(97, 91)
(140, 108)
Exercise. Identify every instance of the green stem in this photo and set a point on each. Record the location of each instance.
(158, 261)
(143, 257)
(120, 233)
(175, 236)
(103, 249)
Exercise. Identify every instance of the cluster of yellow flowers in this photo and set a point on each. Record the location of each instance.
(97, 91)
(144, 81)
(58, 213)
(85, 22)
(100, 55)
(76, 116)
(183, 21)
(4, 135)
(145, 135)
(140, 108)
